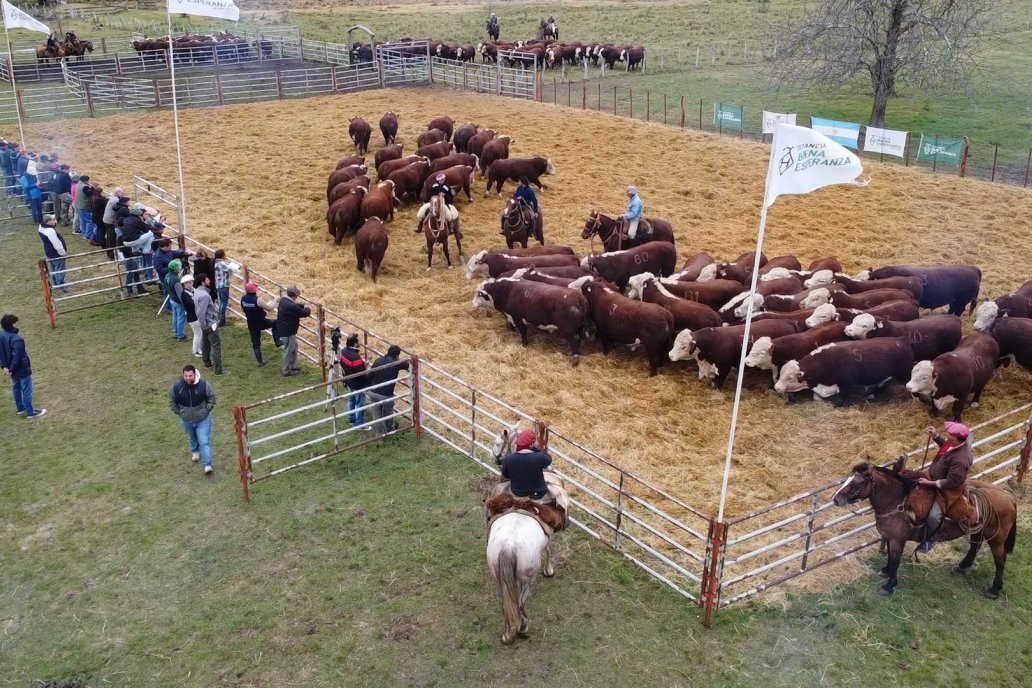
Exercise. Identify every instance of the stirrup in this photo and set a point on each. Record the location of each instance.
(925, 547)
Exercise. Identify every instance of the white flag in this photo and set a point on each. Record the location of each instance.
(802, 160)
(772, 118)
(223, 9)
(885, 141)
(14, 18)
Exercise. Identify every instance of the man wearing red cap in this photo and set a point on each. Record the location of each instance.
(525, 468)
(255, 311)
(948, 474)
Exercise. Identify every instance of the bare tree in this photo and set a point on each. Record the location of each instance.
(919, 45)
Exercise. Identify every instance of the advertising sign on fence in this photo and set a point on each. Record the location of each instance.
(772, 118)
(727, 116)
(935, 149)
(885, 141)
(842, 133)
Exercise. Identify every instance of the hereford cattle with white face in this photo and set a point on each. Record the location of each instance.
(656, 257)
(445, 124)
(620, 320)
(491, 264)
(835, 369)
(692, 270)
(741, 268)
(955, 286)
(1017, 304)
(770, 354)
(388, 167)
(494, 149)
(389, 128)
(475, 144)
(928, 336)
(688, 315)
(435, 150)
(891, 310)
(459, 178)
(547, 307)
(914, 285)
(409, 180)
(350, 160)
(429, 137)
(714, 293)
(953, 377)
(343, 174)
(453, 160)
(462, 136)
(865, 299)
(719, 349)
(379, 202)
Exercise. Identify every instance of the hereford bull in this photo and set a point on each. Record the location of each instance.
(476, 143)
(445, 124)
(453, 160)
(785, 285)
(495, 149)
(928, 337)
(1017, 304)
(891, 310)
(635, 57)
(389, 128)
(688, 315)
(954, 376)
(491, 264)
(349, 161)
(693, 268)
(389, 167)
(459, 178)
(714, 293)
(533, 275)
(719, 349)
(955, 286)
(805, 316)
(548, 307)
(341, 190)
(371, 246)
(855, 286)
(515, 169)
(656, 257)
(428, 137)
(1014, 336)
(866, 299)
(835, 369)
(770, 354)
(550, 250)
(342, 175)
(620, 320)
(391, 152)
(462, 136)
(345, 215)
(379, 202)
(408, 181)
(826, 263)
(435, 150)
(742, 267)
(359, 131)
(570, 272)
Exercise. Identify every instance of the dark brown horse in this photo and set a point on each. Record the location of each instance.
(608, 230)
(518, 224)
(436, 227)
(888, 489)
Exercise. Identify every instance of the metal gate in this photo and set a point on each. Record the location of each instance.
(405, 63)
(517, 74)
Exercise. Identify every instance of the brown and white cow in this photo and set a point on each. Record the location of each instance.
(476, 143)
(835, 369)
(453, 160)
(549, 250)
(459, 178)
(445, 124)
(910, 284)
(491, 264)
(379, 202)
(435, 150)
(1017, 304)
(694, 267)
(770, 354)
(890, 310)
(345, 215)
(953, 377)
(371, 246)
(462, 136)
(955, 286)
(408, 181)
(866, 299)
(495, 149)
(342, 175)
(533, 275)
(389, 167)
(341, 190)
(391, 152)
(656, 257)
(620, 320)
(714, 293)
(570, 272)
(350, 160)
(719, 349)
(514, 169)
(548, 307)
(741, 268)
(1014, 335)
(389, 128)
(688, 315)
(359, 131)
(429, 137)
(929, 336)
(635, 57)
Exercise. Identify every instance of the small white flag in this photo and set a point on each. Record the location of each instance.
(222, 9)
(772, 118)
(886, 141)
(802, 160)
(14, 18)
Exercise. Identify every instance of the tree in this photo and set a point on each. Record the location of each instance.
(922, 45)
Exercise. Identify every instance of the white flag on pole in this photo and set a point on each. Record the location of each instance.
(14, 18)
(885, 141)
(802, 160)
(222, 9)
(772, 118)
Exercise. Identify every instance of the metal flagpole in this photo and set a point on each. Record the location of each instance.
(175, 115)
(14, 85)
(741, 361)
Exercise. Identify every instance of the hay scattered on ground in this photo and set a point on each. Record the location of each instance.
(255, 186)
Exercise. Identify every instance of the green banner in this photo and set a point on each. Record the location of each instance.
(941, 151)
(727, 116)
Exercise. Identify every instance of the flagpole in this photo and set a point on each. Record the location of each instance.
(14, 85)
(741, 361)
(175, 116)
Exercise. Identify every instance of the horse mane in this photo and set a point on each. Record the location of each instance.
(908, 479)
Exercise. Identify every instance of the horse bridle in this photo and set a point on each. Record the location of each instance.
(521, 221)
(430, 219)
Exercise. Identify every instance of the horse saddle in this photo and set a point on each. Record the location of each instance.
(552, 517)
(645, 230)
(918, 503)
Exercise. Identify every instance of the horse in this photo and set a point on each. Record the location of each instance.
(435, 228)
(77, 48)
(517, 224)
(888, 489)
(52, 50)
(548, 29)
(518, 547)
(608, 230)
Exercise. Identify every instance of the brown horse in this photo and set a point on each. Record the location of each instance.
(518, 224)
(436, 229)
(77, 48)
(888, 489)
(609, 231)
(50, 51)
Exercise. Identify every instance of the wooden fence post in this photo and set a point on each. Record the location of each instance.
(700, 114)
(710, 579)
(19, 104)
(48, 296)
(599, 103)
(584, 96)
(1026, 451)
(103, 46)
(1028, 166)
(648, 105)
(333, 80)
(238, 427)
(157, 93)
(569, 92)
(964, 157)
(301, 48)
(89, 98)
(320, 313)
(279, 84)
(996, 153)
(630, 103)
(682, 112)
(218, 88)
(417, 414)
(118, 65)
(664, 109)
(614, 100)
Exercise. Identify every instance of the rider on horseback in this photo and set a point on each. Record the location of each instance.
(525, 195)
(492, 26)
(948, 475)
(524, 468)
(441, 186)
(633, 215)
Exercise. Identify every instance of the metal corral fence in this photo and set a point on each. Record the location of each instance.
(498, 78)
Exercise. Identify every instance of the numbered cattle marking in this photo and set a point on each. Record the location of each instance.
(857, 356)
(917, 337)
(527, 292)
(641, 258)
(612, 309)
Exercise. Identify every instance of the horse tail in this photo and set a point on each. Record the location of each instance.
(508, 586)
(1008, 546)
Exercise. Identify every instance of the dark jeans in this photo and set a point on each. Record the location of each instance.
(36, 206)
(211, 349)
(256, 336)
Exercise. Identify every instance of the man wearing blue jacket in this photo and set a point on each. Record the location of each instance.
(193, 400)
(635, 208)
(14, 359)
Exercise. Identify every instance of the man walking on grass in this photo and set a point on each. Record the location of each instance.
(208, 318)
(193, 399)
(14, 359)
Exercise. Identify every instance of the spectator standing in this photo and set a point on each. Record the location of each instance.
(72, 211)
(108, 218)
(208, 318)
(288, 321)
(355, 378)
(174, 288)
(191, 314)
(383, 375)
(62, 188)
(55, 248)
(193, 400)
(15, 361)
(5, 161)
(33, 196)
(98, 205)
(11, 172)
(255, 311)
(134, 231)
(83, 205)
(223, 273)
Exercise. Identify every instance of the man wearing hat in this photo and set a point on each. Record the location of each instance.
(635, 207)
(62, 189)
(255, 311)
(186, 296)
(441, 186)
(173, 289)
(525, 469)
(83, 205)
(133, 230)
(948, 474)
(288, 322)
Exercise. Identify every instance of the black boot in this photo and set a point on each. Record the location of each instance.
(258, 356)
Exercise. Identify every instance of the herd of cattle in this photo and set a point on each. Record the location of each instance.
(815, 329)
(356, 205)
(204, 49)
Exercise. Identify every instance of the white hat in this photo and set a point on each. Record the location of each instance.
(186, 278)
(632, 190)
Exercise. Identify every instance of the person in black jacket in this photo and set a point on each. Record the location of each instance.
(355, 378)
(288, 321)
(132, 229)
(525, 468)
(382, 377)
(193, 400)
(14, 359)
(255, 312)
(62, 188)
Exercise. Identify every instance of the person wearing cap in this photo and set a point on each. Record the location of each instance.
(108, 218)
(14, 359)
(208, 319)
(174, 291)
(256, 313)
(62, 188)
(192, 400)
(83, 204)
(355, 378)
(98, 204)
(288, 321)
(163, 255)
(71, 211)
(134, 231)
(187, 297)
(223, 274)
(525, 469)
(441, 186)
(632, 216)
(525, 194)
(383, 375)
(948, 474)
(493, 29)
(55, 248)
(33, 196)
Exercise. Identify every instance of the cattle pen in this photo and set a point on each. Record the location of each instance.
(662, 436)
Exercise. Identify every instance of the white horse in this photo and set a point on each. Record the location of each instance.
(517, 548)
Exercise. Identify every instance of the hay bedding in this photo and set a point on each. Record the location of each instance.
(255, 186)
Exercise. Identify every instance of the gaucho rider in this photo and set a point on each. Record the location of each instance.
(524, 468)
(493, 29)
(441, 186)
(948, 474)
(635, 208)
(525, 194)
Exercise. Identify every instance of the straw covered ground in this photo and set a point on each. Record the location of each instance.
(256, 186)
